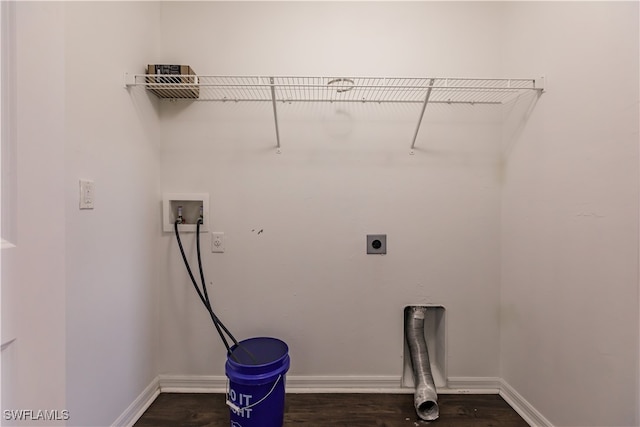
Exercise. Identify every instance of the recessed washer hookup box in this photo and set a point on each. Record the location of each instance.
(172, 81)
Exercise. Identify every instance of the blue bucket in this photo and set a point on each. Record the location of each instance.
(256, 369)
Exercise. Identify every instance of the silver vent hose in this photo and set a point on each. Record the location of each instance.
(425, 396)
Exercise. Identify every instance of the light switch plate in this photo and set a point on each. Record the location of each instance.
(87, 194)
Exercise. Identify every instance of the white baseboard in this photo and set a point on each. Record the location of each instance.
(330, 384)
(192, 383)
(344, 384)
(295, 384)
(525, 409)
(471, 385)
(333, 384)
(137, 408)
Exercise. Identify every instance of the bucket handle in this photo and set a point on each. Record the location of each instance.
(236, 408)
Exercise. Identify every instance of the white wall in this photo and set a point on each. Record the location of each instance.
(111, 257)
(109, 303)
(33, 273)
(570, 215)
(344, 171)
(78, 291)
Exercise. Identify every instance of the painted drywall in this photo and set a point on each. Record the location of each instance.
(295, 265)
(9, 150)
(33, 273)
(570, 215)
(111, 257)
(79, 286)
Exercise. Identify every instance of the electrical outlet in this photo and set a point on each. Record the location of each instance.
(217, 242)
(377, 244)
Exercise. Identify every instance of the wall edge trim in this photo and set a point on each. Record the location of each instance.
(330, 384)
(130, 415)
(522, 406)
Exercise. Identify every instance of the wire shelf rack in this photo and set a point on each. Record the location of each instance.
(289, 89)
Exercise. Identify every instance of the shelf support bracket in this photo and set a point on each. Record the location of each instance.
(275, 112)
(129, 80)
(424, 107)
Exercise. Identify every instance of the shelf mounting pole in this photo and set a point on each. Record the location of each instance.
(275, 112)
(424, 107)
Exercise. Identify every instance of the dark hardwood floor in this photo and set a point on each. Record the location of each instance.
(344, 410)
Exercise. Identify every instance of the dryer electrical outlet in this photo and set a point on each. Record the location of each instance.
(377, 244)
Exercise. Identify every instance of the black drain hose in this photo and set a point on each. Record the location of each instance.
(204, 296)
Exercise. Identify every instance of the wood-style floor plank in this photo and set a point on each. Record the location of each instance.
(344, 410)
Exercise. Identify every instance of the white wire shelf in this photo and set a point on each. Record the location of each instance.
(278, 89)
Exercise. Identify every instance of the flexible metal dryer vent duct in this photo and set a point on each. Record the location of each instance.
(425, 396)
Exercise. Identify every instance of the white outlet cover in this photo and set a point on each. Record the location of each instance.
(217, 242)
